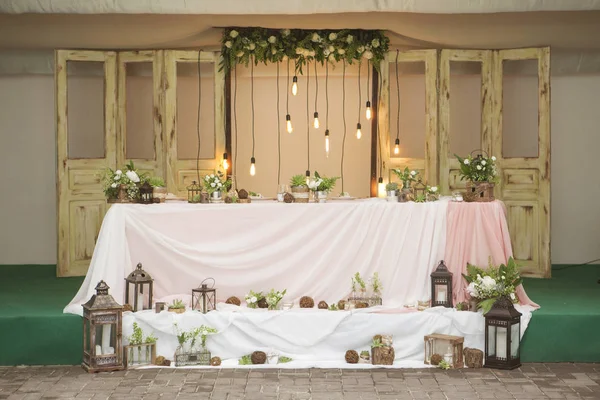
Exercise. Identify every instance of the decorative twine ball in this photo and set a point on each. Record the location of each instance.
(228, 200)
(351, 357)
(233, 300)
(215, 361)
(436, 358)
(306, 302)
(262, 303)
(160, 360)
(243, 194)
(323, 305)
(342, 304)
(288, 198)
(258, 357)
(127, 307)
(361, 305)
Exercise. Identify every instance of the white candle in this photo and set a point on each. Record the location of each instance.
(441, 297)
(140, 302)
(501, 343)
(98, 350)
(106, 338)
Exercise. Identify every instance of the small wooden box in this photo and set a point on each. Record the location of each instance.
(139, 355)
(448, 346)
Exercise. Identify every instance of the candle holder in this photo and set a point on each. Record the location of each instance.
(441, 286)
(142, 285)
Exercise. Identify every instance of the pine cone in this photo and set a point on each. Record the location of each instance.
(215, 361)
(342, 304)
(262, 303)
(160, 360)
(233, 300)
(243, 194)
(258, 357)
(435, 359)
(306, 302)
(288, 198)
(351, 357)
(323, 305)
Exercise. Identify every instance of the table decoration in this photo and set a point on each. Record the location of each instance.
(488, 285)
(145, 193)
(299, 188)
(364, 357)
(258, 357)
(273, 298)
(140, 350)
(481, 175)
(204, 298)
(189, 351)
(215, 361)
(177, 306)
(306, 302)
(141, 284)
(243, 196)
(288, 198)
(376, 288)
(194, 193)
(321, 186)
(323, 305)
(159, 189)
(419, 192)
(382, 350)
(351, 357)
(449, 347)
(215, 184)
(122, 187)
(406, 176)
(391, 190)
(473, 357)
(503, 335)
(341, 304)
(159, 306)
(333, 307)
(233, 300)
(432, 193)
(441, 286)
(252, 299)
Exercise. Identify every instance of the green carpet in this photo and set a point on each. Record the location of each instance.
(34, 331)
(567, 326)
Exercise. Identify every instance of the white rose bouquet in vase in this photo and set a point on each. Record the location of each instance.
(481, 176)
(321, 186)
(252, 299)
(122, 187)
(215, 184)
(406, 176)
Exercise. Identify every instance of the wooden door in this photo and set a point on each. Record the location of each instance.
(81, 203)
(182, 171)
(427, 164)
(525, 181)
(140, 72)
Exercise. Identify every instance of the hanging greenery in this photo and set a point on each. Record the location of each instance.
(241, 45)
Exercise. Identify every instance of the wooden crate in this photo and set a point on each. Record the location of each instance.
(446, 346)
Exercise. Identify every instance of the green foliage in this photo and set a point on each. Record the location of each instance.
(420, 198)
(391, 186)
(444, 365)
(177, 304)
(333, 307)
(298, 181)
(406, 175)
(137, 337)
(274, 297)
(216, 182)
(462, 306)
(327, 184)
(376, 343)
(254, 194)
(261, 45)
(156, 181)
(150, 339)
(365, 354)
(477, 169)
(376, 283)
(246, 360)
(357, 278)
(113, 179)
(284, 359)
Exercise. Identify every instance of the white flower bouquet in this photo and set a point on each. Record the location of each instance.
(406, 176)
(112, 181)
(274, 297)
(216, 182)
(252, 299)
(477, 169)
(487, 286)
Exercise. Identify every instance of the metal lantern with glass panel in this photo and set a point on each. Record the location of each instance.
(140, 284)
(503, 335)
(194, 191)
(448, 347)
(441, 286)
(419, 190)
(102, 325)
(204, 298)
(146, 193)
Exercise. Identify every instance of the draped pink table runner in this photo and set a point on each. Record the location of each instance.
(475, 232)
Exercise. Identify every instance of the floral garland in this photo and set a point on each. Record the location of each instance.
(242, 45)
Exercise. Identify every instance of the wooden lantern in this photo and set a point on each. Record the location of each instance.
(503, 336)
(441, 286)
(146, 193)
(204, 298)
(141, 284)
(194, 191)
(419, 190)
(102, 329)
(449, 347)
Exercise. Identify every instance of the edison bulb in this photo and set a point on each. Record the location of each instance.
(307, 176)
(288, 122)
(381, 188)
(397, 147)
(358, 131)
(225, 163)
(368, 112)
(252, 166)
(295, 85)
(327, 143)
(316, 121)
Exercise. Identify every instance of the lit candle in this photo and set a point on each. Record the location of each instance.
(106, 338)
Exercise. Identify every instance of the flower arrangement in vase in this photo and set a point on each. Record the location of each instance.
(321, 186)
(299, 188)
(392, 191)
(252, 299)
(146, 348)
(274, 297)
(376, 289)
(481, 176)
(159, 189)
(215, 184)
(432, 193)
(406, 176)
(122, 187)
(188, 353)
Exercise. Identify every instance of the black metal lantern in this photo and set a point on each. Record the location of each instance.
(194, 191)
(503, 335)
(441, 286)
(102, 329)
(146, 191)
(141, 284)
(204, 298)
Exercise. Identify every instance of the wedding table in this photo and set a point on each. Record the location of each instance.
(308, 249)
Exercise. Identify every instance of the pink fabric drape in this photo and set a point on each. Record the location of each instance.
(476, 232)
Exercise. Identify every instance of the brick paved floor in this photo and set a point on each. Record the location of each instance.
(532, 381)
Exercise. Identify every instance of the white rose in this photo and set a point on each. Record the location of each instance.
(233, 34)
(375, 43)
(331, 49)
(204, 333)
(349, 39)
(311, 53)
(299, 50)
(472, 290)
(483, 162)
(207, 178)
(413, 173)
(332, 57)
(286, 32)
(133, 176)
(117, 177)
(332, 36)
(240, 53)
(253, 299)
(434, 189)
(368, 55)
(341, 51)
(219, 184)
(493, 158)
(479, 167)
(513, 297)
(489, 282)
(212, 175)
(316, 37)
(251, 46)
(326, 52)
(213, 184)
(466, 162)
(118, 172)
(228, 44)
(114, 185)
(361, 49)
(272, 39)
(273, 51)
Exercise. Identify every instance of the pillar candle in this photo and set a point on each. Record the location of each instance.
(441, 295)
(501, 343)
(106, 330)
(98, 350)
(140, 302)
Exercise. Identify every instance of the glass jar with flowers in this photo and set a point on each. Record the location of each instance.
(215, 184)
(481, 175)
(406, 176)
(321, 186)
(299, 188)
(274, 297)
(122, 187)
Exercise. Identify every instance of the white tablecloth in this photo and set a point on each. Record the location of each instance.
(308, 249)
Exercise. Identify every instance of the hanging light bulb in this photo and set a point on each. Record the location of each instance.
(295, 85)
(397, 147)
(368, 112)
(327, 143)
(225, 163)
(252, 166)
(381, 188)
(316, 121)
(307, 176)
(288, 122)
(358, 132)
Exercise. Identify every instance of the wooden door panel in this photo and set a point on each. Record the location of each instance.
(85, 220)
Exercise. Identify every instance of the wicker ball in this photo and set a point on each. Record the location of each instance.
(288, 198)
(351, 357)
(215, 361)
(258, 357)
(160, 360)
(361, 305)
(228, 200)
(306, 302)
(342, 304)
(234, 300)
(243, 194)
(262, 303)
(127, 307)
(436, 358)
(323, 305)
(167, 363)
